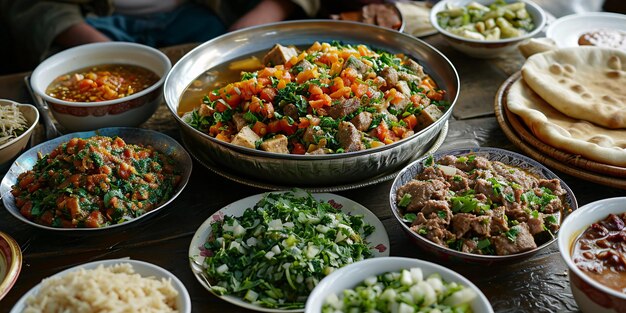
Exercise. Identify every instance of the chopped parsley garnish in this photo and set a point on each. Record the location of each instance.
(406, 199)
(511, 234)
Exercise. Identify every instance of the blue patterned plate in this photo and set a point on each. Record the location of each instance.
(158, 141)
(492, 154)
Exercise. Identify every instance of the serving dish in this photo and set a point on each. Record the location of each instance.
(243, 179)
(566, 31)
(590, 295)
(127, 111)
(10, 263)
(378, 238)
(351, 275)
(142, 268)
(158, 141)
(307, 169)
(568, 163)
(491, 154)
(487, 48)
(12, 148)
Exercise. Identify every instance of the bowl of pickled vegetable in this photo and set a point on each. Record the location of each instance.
(396, 284)
(487, 28)
(98, 85)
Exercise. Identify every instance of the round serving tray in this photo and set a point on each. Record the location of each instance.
(192, 149)
(565, 162)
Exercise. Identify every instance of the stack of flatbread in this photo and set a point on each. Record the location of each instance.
(574, 99)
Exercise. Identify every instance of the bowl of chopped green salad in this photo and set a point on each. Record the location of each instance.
(396, 284)
(267, 252)
(17, 122)
(487, 28)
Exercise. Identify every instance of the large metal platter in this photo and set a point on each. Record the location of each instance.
(311, 170)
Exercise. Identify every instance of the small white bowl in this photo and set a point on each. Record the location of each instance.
(142, 268)
(487, 48)
(590, 295)
(127, 111)
(352, 275)
(11, 149)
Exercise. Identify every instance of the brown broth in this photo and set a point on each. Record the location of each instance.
(600, 252)
(214, 78)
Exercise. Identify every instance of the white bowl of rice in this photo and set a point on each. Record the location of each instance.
(17, 122)
(118, 285)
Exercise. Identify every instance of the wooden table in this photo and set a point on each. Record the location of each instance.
(538, 284)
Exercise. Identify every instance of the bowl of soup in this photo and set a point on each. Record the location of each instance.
(101, 85)
(311, 103)
(592, 242)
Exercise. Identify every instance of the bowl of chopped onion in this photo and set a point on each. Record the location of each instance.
(396, 284)
(17, 122)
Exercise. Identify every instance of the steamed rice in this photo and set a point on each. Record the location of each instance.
(104, 289)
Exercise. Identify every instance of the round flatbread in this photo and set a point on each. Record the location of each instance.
(587, 83)
(576, 136)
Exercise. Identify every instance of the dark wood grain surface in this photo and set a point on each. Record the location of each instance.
(538, 284)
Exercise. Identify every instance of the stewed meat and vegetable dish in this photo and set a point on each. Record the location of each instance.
(600, 252)
(95, 182)
(329, 98)
(470, 204)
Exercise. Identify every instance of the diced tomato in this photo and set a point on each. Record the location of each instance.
(223, 136)
(255, 105)
(435, 95)
(398, 130)
(315, 90)
(382, 131)
(359, 89)
(94, 220)
(298, 148)
(267, 72)
(304, 122)
(323, 100)
(267, 110)
(411, 121)
(260, 128)
(287, 128)
(268, 94)
(215, 129)
(273, 127)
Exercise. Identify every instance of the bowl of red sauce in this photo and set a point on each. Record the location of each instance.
(592, 242)
(98, 85)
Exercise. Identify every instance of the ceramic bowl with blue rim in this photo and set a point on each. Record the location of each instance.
(158, 141)
(449, 249)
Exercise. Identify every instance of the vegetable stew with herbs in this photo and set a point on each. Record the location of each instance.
(95, 182)
(473, 205)
(329, 98)
(102, 83)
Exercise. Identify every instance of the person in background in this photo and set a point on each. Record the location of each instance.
(40, 28)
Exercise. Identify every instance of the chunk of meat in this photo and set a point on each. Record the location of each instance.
(429, 173)
(390, 75)
(362, 121)
(279, 54)
(462, 223)
(419, 219)
(302, 66)
(486, 188)
(318, 151)
(481, 225)
(498, 221)
(535, 225)
(416, 68)
(522, 241)
(246, 138)
(435, 231)
(276, 144)
(239, 121)
(422, 191)
(349, 137)
(344, 108)
(511, 174)
(459, 182)
(469, 246)
(205, 110)
(356, 64)
(437, 209)
(311, 133)
(290, 110)
(428, 116)
(552, 184)
(403, 87)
